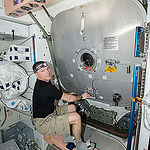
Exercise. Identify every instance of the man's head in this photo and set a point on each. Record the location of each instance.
(42, 71)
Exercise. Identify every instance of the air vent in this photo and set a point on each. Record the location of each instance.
(17, 8)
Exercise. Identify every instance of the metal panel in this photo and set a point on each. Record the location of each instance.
(7, 28)
(20, 132)
(11, 144)
(103, 141)
(94, 48)
(105, 116)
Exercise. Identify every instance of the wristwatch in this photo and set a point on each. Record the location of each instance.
(81, 97)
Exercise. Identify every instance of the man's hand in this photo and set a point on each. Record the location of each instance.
(70, 97)
(86, 95)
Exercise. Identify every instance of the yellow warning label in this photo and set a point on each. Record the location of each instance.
(110, 69)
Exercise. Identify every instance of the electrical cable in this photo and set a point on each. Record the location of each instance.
(25, 40)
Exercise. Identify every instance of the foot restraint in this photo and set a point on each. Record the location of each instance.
(67, 138)
(85, 145)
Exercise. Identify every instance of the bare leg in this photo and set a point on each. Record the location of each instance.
(75, 121)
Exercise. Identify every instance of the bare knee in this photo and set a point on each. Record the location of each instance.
(74, 118)
(77, 116)
(71, 108)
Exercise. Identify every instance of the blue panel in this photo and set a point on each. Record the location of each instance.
(12, 103)
(134, 91)
(26, 108)
(137, 42)
(33, 41)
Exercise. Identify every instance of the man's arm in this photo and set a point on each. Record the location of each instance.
(73, 98)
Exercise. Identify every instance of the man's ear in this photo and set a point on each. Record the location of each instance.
(36, 74)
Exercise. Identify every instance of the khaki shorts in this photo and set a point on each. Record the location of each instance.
(54, 124)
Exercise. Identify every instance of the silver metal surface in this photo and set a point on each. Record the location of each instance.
(6, 18)
(105, 38)
(105, 116)
(103, 141)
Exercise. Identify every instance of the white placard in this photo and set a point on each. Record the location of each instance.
(101, 97)
(104, 77)
(99, 61)
(111, 43)
(71, 75)
(73, 60)
(90, 76)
